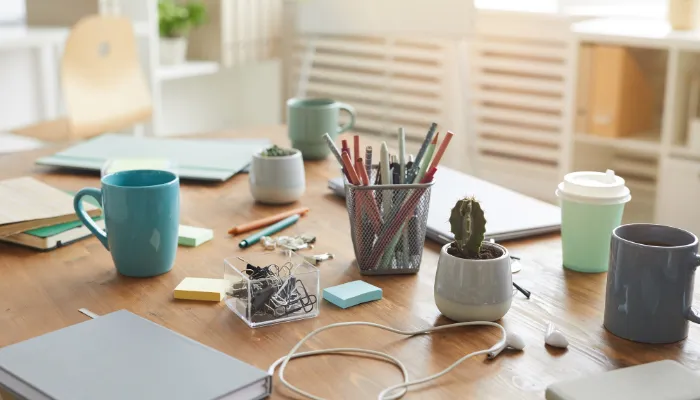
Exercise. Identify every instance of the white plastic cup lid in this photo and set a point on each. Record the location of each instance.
(594, 187)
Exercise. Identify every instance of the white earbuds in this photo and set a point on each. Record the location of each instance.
(554, 337)
(512, 340)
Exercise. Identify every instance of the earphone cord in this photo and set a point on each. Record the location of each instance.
(400, 389)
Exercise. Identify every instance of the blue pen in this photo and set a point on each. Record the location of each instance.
(270, 230)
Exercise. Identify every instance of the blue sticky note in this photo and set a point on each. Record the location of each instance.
(352, 293)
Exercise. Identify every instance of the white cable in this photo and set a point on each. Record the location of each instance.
(492, 352)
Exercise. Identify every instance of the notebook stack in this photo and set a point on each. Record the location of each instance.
(37, 215)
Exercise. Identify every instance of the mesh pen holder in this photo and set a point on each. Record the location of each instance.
(388, 225)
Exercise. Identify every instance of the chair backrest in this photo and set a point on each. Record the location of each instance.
(103, 83)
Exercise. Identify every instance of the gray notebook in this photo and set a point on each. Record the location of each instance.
(123, 356)
(201, 159)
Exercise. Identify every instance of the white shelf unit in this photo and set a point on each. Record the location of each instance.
(192, 97)
(662, 173)
(187, 70)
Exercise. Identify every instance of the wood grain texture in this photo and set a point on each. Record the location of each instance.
(42, 292)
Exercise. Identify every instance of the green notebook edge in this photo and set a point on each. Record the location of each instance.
(53, 230)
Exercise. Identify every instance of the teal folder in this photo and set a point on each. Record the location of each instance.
(200, 159)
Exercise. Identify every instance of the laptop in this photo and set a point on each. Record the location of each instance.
(509, 215)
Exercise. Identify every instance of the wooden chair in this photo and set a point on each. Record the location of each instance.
(102, 81)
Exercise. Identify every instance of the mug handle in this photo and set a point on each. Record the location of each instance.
(85, 218)
(690, 314)
(350, 110)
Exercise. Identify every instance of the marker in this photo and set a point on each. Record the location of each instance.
(270, 230)
(402, 156)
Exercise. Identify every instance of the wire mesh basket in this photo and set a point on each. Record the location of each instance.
(388, 225)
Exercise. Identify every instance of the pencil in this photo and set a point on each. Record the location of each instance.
(360, 169)
(247, 227)
(354, 179)
(270, 230)
(356, 142)
(335, 151)
(441, 150)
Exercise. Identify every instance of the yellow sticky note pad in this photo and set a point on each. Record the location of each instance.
(205, 289)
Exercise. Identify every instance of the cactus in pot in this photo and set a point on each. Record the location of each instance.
(473, 279)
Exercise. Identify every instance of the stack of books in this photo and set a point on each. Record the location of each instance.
(40, 216)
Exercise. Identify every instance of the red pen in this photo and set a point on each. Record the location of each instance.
(429, 175)
(345, 148)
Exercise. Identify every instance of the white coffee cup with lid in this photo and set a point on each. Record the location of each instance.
(592, 204)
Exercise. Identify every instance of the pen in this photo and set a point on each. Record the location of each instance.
(378, 178)
(427, 159)
(334, 150)
(402, 156)
(345, 148)
(266, 221)
(441, 150)
(368, 161)
(416, 164)
(270, 230)
(409, 164)
(386, 177)
(395, 170)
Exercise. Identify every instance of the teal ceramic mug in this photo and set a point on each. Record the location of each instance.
(142, 217)
(309, 119)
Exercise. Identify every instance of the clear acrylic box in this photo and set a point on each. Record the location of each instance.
(271, 288)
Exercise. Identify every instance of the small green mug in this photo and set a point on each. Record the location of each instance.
(309, 119)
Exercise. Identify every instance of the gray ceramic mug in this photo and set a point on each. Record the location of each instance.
(649, 293)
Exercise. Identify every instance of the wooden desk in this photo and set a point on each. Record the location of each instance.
(41, 292)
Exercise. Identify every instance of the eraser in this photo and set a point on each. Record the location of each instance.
(193, 237)
(352, 293)
(204, 289)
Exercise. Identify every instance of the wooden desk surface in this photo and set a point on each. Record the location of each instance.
(41, 292)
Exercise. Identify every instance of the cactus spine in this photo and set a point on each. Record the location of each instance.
(468, 224)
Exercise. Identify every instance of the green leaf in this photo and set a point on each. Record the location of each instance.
(176, 20)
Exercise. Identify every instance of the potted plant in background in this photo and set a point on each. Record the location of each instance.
(277, 176)
(473, 280)
(174, 23)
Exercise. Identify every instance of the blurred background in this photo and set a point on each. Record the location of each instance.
(534, 89)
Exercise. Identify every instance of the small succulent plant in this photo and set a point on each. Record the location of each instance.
(276, 151)
(468, 225)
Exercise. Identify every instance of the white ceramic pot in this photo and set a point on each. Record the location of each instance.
(173, 50)
(473, 290)
(277, 180)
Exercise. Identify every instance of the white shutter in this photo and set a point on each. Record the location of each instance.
(391, 82)
(520, 66)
